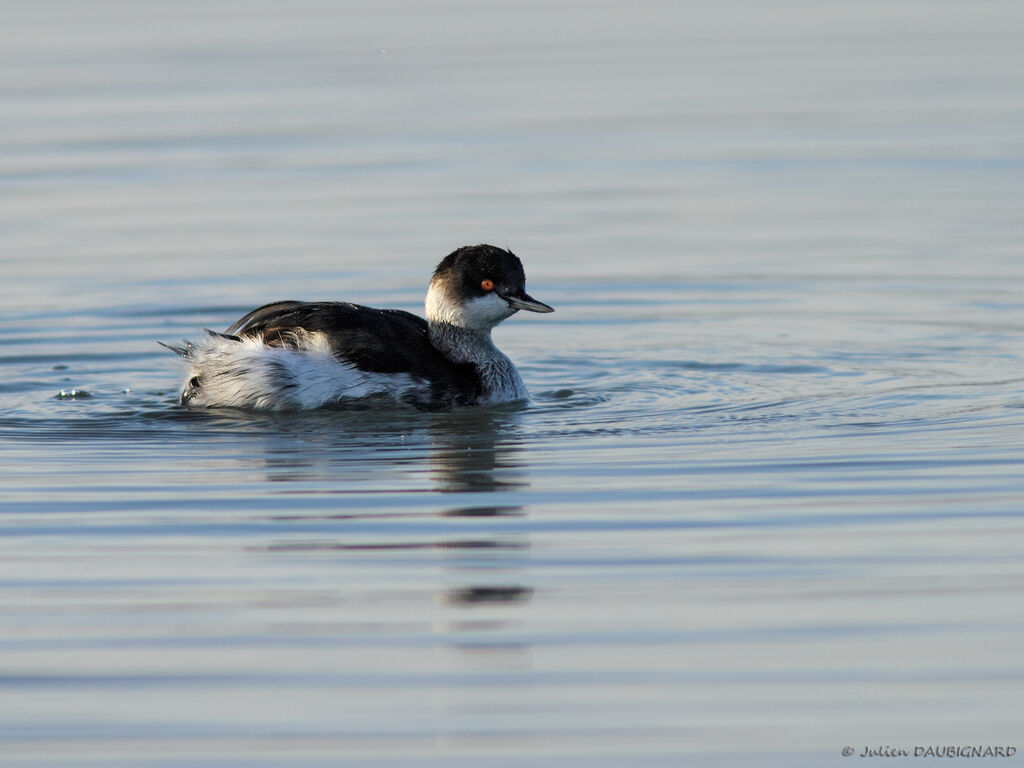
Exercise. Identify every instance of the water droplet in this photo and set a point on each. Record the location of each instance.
(73, 394)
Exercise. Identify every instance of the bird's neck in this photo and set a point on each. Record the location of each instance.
(463, 345)
(498, 376)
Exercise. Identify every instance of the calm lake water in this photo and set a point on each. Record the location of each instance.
(768, 499)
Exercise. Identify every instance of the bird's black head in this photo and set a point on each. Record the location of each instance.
(478, 286)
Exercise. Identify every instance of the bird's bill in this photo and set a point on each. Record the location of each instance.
(527, 302)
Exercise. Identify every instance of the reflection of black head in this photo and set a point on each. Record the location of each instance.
(508, 511)
(489, 594)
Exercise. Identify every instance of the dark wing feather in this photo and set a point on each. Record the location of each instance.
(260, 314)
(379, 340)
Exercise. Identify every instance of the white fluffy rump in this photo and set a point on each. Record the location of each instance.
(249, 374)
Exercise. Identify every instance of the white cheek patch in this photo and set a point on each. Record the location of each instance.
(485, 311)
(482, 313)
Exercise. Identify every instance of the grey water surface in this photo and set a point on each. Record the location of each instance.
(767, 501)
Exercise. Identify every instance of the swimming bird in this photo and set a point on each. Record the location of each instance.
(294, 355)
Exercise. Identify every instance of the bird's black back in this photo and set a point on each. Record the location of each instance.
(374, 340)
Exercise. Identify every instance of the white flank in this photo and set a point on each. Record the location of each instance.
(250, 374)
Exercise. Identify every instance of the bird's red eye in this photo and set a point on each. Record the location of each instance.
(487, 285)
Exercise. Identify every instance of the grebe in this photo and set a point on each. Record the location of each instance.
(294, 355)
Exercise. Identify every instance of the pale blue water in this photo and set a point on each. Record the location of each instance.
(767, 501)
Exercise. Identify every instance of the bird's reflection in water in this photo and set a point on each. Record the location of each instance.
(476, 452)
(361, 455)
